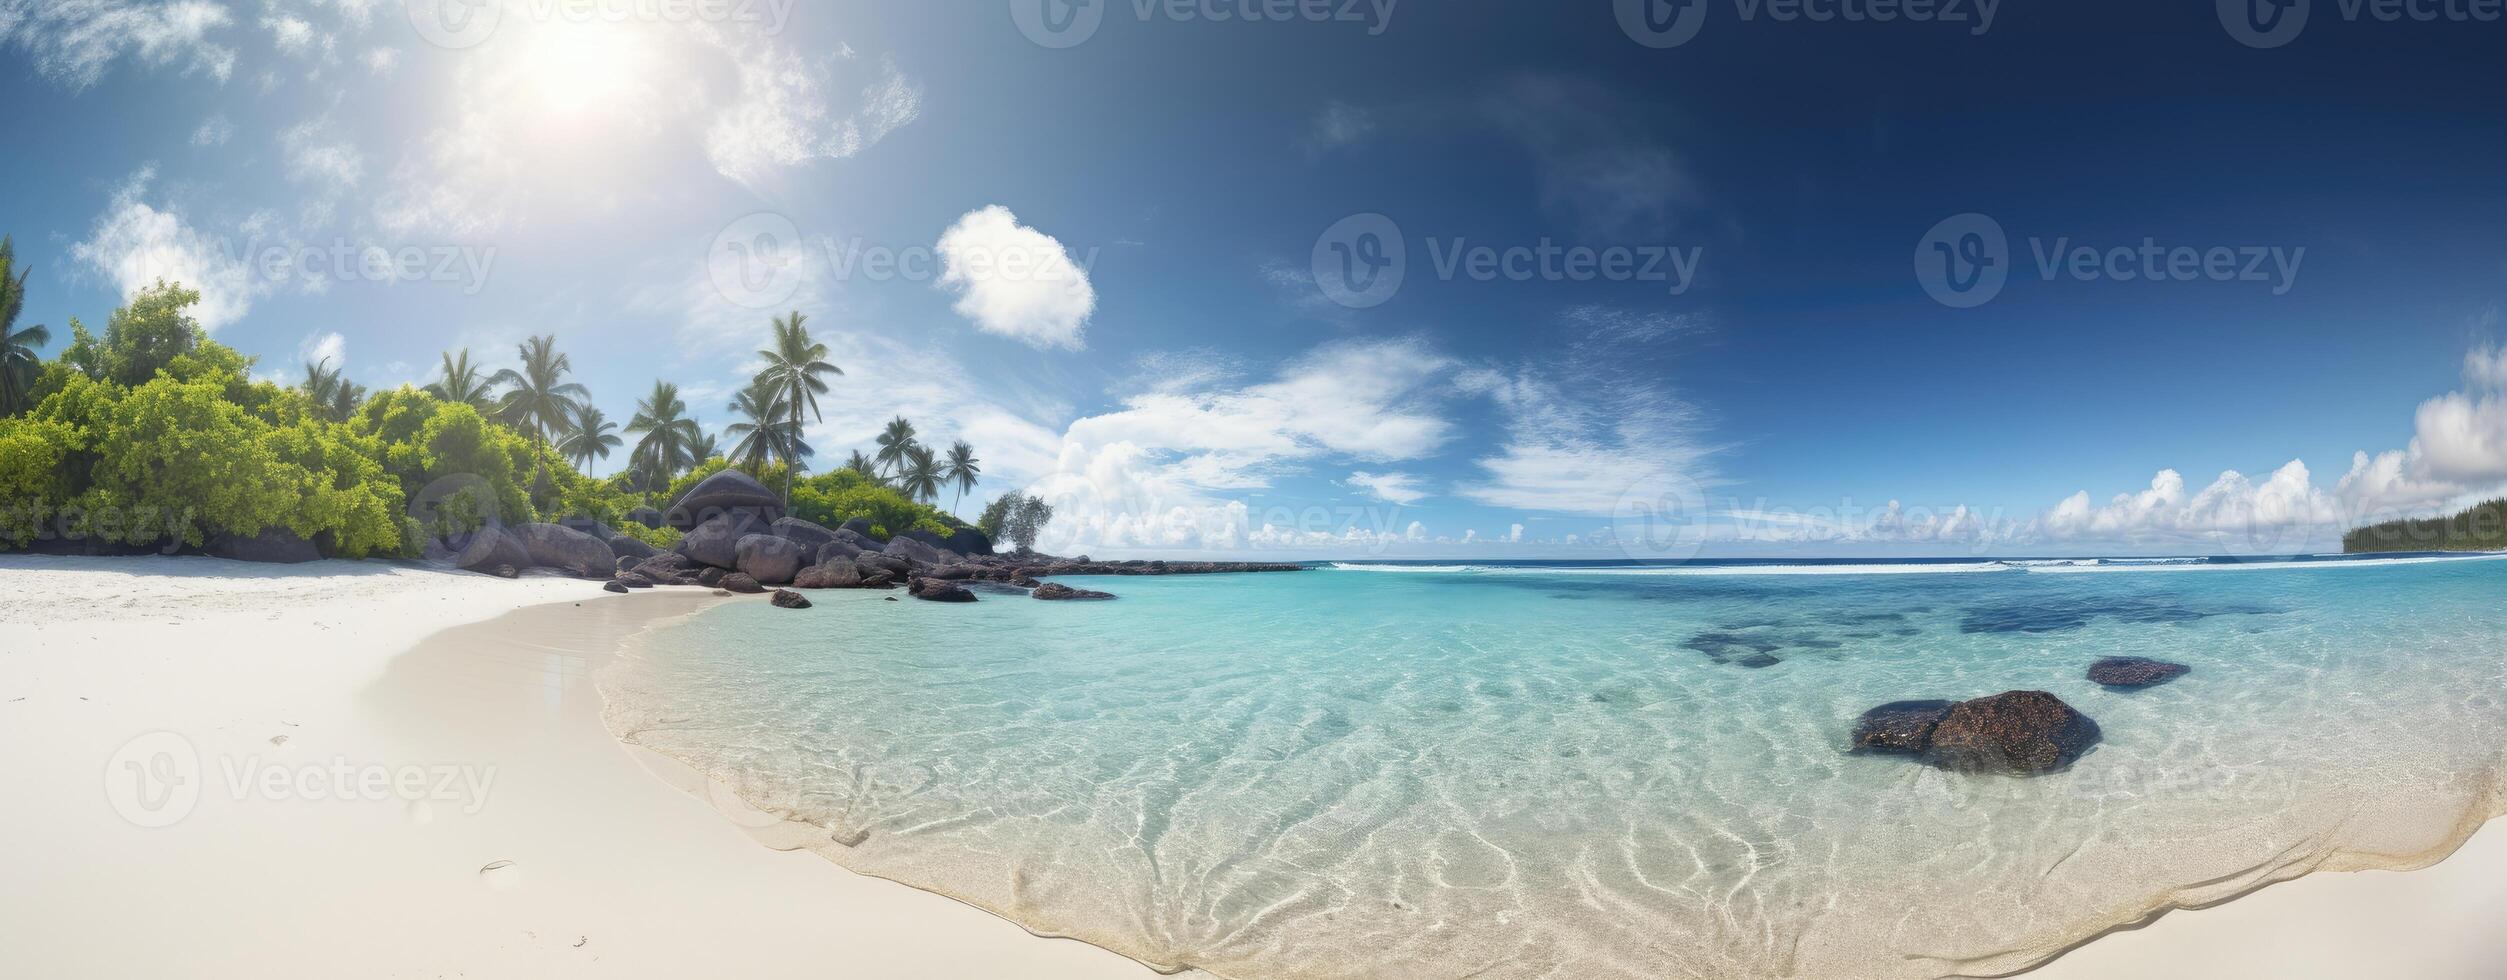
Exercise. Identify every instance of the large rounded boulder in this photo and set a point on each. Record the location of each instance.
(566, 549)
(913, 550)
(489, 549)
(861, 526)
(2020, 733)
(627, 547)
(717, 541)
(770, 559)
(969, 541)
(803, 533)
(1899, 727)
(831, 575)
(727, 492)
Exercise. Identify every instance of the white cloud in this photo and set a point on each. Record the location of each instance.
(1016, 281)
(1340, 124)
(316, 153)
(382, 62)
(134, 244)
(782, 116)
(318, 348)
(290, 34)
(75, 43)
(1591, 433)
(1514, 533)
(213, 131)
(1596, 165)
(1393, 488)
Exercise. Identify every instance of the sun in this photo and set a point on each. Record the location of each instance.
(573, 73)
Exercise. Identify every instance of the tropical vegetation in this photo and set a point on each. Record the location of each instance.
(2481, 527)
(151, 434)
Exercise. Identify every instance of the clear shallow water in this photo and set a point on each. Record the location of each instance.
(1466, 770)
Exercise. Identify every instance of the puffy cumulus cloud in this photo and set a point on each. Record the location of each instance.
(1016, 281)
(2234, 513)
(1151, 473)
(322, 347)
(784, 115)
(74, 43)
(1393, 488)
(134, 244)
(1592, 432)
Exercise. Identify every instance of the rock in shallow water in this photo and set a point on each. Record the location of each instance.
(2022, 733)
(788, 599)
(935, 590)
(1900, 727)
(2129, 672)
(1057, 590)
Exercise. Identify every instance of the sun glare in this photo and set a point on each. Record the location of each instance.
(573, 73)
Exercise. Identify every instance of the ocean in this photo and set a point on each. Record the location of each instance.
(1551, 769)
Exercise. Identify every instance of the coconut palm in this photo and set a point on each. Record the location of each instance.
(797, 365)
(760, 434)
(861, 464)
(594, 435)
(669, 436)
(961, 469)
(461, 382)
(334, 397)
(18, 360)
(538, 399)
(920, 478)
(704, 448)
(894, 442)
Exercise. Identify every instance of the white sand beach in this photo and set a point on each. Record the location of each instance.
(456, 713)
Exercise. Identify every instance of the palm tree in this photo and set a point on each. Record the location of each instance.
(461, 383)
(704, 448)
(538, 399)
(334, 397)
(895, 442)
(18, 361)
(921, 476)
(796, 364)
(962, 469)
(593, 437)
(760, 434)
(669, 435)
(861, 464)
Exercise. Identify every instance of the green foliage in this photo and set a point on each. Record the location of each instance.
(34, 479)
(1015, 520)
(830, 499)
(2482, 527)
(996, 516)
(141, 339)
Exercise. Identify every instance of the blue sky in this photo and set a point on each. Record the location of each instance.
(1765, 374)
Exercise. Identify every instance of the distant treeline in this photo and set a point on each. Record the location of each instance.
(2483, 527)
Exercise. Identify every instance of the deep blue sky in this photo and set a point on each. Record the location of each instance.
(1806, 370)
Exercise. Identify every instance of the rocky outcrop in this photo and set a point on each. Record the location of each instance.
(809, 536)
(716, 542)
(935, 590)
(1060, 592)
(669, 568)
(627, 547)
(633, 580)
(728, 493)
(740, 583)
(2133, 672)
(769, 559)
(788, 599)
(832, 575)
(709, 576)
(275, 545)
(838, 550)
(566, 549)
(1899, 727)
(861, 526)
(490, 547)
(2021, 733)
(968, 541)
(913, 549)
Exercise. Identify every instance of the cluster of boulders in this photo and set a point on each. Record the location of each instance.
(737, 537)
(2020, 733)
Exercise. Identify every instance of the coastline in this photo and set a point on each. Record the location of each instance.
(612, 873)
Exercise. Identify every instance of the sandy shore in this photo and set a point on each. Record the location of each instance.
(237, 770)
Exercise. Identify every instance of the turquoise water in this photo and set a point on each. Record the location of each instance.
(1630, 771)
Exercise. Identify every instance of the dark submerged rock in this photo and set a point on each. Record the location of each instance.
(1059, 591)
(788, 599)
(1899, 727)
(2021, 733)
(2133, 672)
(935, 590)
